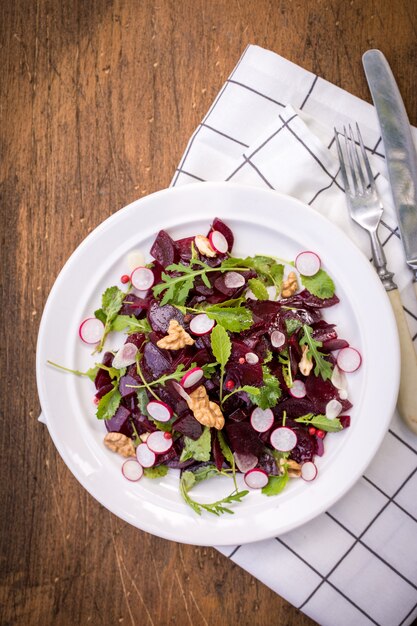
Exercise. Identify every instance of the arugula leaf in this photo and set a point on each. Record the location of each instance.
(234, 319)
(222, 348)
(270, 393)
(111, 302)
(258, 289)
(321, 422)
(109, 404)
(255, 391)
(130, 324)
(189, 479)
(155, 472)
(320, 285)
(322, 367)
(284, 359)
(228, 455)
(90, 373)
(275, 485)
(291, 325)
(199, 450)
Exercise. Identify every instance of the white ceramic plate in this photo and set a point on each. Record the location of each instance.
(263, 222)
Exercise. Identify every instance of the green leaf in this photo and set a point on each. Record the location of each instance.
(258, 289)
(190, 478)
(285, 361)
(269, 393)
(199, 450)
(322, 367)
(277, 273)
(275, 485)
(291, 325)
(255, 391)
(234, 319)
(320, 285)
(111, 301)
(108, 404)
(220, 345)
(100, 315)
(321, 422)
(130, 324)
(155, 472)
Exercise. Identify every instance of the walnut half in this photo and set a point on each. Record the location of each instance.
(205, 411)
(116, 442)
(176, 338)
(293, 468)
(289, 286)
(204, 246)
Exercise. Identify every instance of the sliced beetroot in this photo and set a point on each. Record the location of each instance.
(306, 446)
(268, 463)
(222, 228)
(133, 305)
(184, 248)
(163, 249)
(216, 451)
(306, 299)
(119, 423)
(143, 424)
(187, 425)
(320, 392)
(238, 415)
(243, 439)
(160, 316)
(322, 331)
(138, 339)
(345, 420)
(155, 362)
(319, 446)
(201, 288)
(246, 373)
(102, 391)
(256, 478)
(125, 386)
(294, 407)
(103, 377)
(334, 344)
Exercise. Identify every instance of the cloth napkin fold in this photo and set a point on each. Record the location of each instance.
(272, 125)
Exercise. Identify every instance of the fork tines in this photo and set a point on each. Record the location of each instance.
(353, 176)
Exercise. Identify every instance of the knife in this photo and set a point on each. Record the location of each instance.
(401, 160)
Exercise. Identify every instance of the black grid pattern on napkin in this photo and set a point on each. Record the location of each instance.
(362, 538)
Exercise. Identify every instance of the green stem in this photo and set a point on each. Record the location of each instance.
(67, 369)
(188, 275)
(145, 384)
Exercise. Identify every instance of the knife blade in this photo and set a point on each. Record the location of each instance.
(400, 153)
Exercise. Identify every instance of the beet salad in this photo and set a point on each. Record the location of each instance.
(228, 367)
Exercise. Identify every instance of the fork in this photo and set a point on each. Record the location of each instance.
(365, 208)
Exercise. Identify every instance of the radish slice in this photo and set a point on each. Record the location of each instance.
(261, 419)
(142, 278)
(343, 394)
(307, 263)
(145, 456)
(91, 330)
(277, 339)
(135, 259)
(338, 378)
(233, 280)
(245, 462)
(333, 409)
(308, 471)
(256, 478)
(218, 241)
(283, 439)
(159, 442)
(180, 390)
(125, 356)
(192, 377)
(159, 411)
(349, 360)
(251, 358)
(298, 389)
(201, 324)
(132, 470)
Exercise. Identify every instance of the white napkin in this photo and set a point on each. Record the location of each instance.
(272, 125)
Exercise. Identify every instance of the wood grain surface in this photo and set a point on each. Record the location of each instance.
(98, 100)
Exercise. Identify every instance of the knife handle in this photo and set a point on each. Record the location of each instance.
(407, 397)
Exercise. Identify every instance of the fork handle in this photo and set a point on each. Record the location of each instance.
(407, 397)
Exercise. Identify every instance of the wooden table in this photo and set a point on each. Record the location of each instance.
(98, 101)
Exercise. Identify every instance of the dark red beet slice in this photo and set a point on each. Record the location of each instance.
(187, 425)
(319, 446)
(103, 390)
(306, 446)
(225, 231)
(294, 407)
(155, 362)
(133, 305)
(123, 386)
(184, 249)
(322, 331)
(243, 439)
(320, 392)
(334, 344)
(230, 292)
(138, 339)
(143, 424)
(119, 422)
(268, 464)
(237, 416)
(163, 249)
(160, 316)
(306, 299)
(345, 420)
(217, 451)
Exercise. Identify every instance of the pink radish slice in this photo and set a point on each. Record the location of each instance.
(308, 471)
(256, 478)
(218, 241)
(180, 391)
(233, 280)
(132, 470)
(298, 389)
(145, 456)
(251, 358)
(159, 442)
(343, 394)
(349, 360)
(283, 439)
(338, 378)
(245, 462)
(142, 278)
(261, 419)
(307, 263)
(333, 409)
(201, 324)
(192, 377)
(277, 339)
(125, 356)
(91, 330)
(159, 411)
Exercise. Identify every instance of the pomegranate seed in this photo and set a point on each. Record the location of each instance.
(230, 384)
(96, 400)
(241, 360)
(124, 279)
(312, 430)
(167, 436)
(321, 434)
